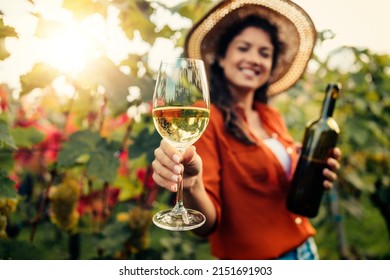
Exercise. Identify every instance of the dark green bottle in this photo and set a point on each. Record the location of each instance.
(306, 190)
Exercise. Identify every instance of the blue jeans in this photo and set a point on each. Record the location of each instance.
(306, 251)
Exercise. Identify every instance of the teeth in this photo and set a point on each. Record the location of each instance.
(248, 72)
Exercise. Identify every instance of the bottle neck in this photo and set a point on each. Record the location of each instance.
(332, 93)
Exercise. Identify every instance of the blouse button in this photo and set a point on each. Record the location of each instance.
(298, 220)
(289, 150)
(274, 135)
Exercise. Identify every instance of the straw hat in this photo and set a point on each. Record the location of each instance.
(295, 29)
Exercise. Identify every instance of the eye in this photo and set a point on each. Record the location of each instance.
(265, 53)
(242, 48)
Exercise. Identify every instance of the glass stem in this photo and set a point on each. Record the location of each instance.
(179, 195)
(179, 208)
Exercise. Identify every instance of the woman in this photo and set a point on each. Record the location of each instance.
(240, 171)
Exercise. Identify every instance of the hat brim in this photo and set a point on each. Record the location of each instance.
(295, 30)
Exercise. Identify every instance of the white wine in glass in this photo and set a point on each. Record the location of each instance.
(181, 111)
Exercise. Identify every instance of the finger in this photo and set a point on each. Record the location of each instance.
(328, 185)
(171, 151)
(166, 161)
(333, 164)
(162, 182)
(173, 175)
(337, 153)
(298, 147)
(330, 175)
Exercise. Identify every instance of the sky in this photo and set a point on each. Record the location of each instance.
(359, 23)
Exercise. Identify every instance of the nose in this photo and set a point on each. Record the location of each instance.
(255, 58)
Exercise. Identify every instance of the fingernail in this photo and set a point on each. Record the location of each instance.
(326, 172)
(175, 177)
(174, 188)
(176, 158)
(177, 169)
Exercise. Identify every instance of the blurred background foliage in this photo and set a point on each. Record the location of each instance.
(77, 143)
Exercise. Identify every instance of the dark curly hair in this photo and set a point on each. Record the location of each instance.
(219, 92)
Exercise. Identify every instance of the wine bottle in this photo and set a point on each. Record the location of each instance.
(306, 190)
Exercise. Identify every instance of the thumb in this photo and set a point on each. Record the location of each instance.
(298, 147)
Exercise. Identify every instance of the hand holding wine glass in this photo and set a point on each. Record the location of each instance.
(181, 105)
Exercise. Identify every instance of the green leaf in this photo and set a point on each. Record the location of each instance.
(3, 51)
(96, 152)
(40, 76)
(6, 160)
(102, 163)
(129, 188)
(80, 143)
(7, 186)
(144, 143)
(134, 15)
(26, 137)
(11, 249)
(116, 84)
(146, 83)
(6, 31)
(5, 136)
(113, 237)
(193, 9)
(84, 8)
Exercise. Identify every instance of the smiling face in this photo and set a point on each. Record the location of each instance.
(247, 63)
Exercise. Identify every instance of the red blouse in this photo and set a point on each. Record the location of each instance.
(248, 186)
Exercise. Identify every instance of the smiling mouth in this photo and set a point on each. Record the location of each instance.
(249, 72)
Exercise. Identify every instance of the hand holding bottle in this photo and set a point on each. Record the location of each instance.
(333, 163)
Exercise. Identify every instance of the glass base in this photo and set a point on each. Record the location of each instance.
(167, 219)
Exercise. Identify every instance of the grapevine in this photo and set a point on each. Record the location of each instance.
(63, 206)
(7, 206)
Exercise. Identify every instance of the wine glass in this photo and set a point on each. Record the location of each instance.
(181, 110)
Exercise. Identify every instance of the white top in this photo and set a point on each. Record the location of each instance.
(280, 152)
